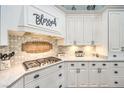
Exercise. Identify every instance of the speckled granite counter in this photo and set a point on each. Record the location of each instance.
(91, 59)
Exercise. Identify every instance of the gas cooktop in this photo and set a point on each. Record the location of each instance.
(40, 62)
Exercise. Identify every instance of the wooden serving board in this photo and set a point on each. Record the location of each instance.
(36, 47)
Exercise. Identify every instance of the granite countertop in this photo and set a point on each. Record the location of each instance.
(91, 59)
(7, 77)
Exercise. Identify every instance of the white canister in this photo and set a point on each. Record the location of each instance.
(5, 65)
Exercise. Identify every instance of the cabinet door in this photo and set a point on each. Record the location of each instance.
(70, 30)
(49, 81)
(82, 79)
(117, 82)
(104, 78)
(93, 78)
(79, 31)
(122, 31)
(88, 29)
(114, 31)
(3, 26)
(72, 78)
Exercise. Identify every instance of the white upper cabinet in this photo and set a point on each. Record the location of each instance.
(79, 31)
(116, 31)
(88, 29)
(82, 29)
(70, 30)
(3, 27)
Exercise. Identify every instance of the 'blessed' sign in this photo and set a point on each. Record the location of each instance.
(40, 19)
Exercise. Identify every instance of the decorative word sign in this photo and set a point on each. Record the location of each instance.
(41, 19)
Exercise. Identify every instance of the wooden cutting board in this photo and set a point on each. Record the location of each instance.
(36, 47)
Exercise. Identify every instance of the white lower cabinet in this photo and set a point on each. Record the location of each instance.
(93, 78)
(77, 74)
(51, 77)
(71, 78)
(99, 74)
(49, 81)
(105, 78)
(84, 74)
(83, 78)
(117, 74)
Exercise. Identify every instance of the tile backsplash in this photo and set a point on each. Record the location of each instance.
(15, 44)
(89, 51)
(16, 41)
(70, 50)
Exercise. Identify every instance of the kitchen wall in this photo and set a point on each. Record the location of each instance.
(15, 42)
(89, 51)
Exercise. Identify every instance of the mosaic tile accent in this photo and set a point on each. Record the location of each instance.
(15, 43)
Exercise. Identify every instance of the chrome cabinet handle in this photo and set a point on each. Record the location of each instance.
(99, 70)
(78, 70)
(122, 48)
(92, 42)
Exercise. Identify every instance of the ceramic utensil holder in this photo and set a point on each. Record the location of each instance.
(4, 65)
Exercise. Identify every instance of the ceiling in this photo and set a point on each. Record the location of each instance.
(81, 8)
(85, 9)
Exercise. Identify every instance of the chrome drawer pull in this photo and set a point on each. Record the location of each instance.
(36, 76)
(99, 70)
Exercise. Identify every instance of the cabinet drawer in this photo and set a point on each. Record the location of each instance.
(117, 82)
(117, 72)
(104, 65)
(117, 64)
(60, 84)
(94, 65)
(60, 75)
(60, 66)
(43, 72)
(72, 65)
(83, 65)
(35, 75)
